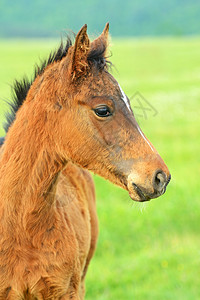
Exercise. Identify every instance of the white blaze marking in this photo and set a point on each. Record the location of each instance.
(145, 139)
(124, 98)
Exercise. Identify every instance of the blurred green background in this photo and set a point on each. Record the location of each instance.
(139, 17)
(152, 250)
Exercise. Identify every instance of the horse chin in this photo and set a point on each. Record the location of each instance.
(138, 198)
(138, 194)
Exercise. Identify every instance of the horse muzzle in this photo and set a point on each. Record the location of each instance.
(150, 188)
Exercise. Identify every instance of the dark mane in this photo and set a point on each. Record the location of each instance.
(20, 88)
(97, 57)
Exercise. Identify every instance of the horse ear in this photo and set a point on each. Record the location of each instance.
(105, 32)
(102, 40)
(80, 52)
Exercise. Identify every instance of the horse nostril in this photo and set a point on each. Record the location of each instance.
(159, 181)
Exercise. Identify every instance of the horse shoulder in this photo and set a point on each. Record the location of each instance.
(76, 193)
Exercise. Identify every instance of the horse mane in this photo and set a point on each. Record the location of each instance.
(97, 58)
(20, 88)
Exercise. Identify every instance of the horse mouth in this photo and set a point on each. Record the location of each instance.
(142, 196)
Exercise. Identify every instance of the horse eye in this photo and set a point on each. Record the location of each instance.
(103, 111)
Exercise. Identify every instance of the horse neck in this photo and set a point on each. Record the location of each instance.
(29, 164)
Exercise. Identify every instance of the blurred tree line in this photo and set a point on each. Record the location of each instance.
(46, 18)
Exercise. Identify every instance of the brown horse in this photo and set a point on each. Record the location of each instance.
(73, 116)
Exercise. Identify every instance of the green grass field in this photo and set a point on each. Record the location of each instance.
(145, 251)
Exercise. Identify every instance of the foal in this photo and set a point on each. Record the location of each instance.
(73, 116)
